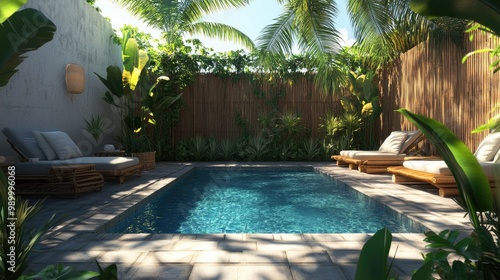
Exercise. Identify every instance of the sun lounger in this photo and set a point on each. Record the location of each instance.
(437, 173)
(391, 153)
(55, 148)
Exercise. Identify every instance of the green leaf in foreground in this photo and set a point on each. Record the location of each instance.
(372, 262)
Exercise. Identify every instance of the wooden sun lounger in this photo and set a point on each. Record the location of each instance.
(445, 183)
(376, 165)
(64, 180)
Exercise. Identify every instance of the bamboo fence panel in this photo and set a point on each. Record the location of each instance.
(211, 105)
(431, 80)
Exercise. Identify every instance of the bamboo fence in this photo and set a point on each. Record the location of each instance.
(430, 79)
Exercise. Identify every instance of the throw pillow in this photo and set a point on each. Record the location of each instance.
(45, 146)
(393, 143)
(62, 144)
(488, 148)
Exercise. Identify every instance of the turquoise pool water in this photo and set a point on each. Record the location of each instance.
(220, 200)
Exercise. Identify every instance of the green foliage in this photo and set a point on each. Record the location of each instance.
(9, 7)
(24, 238)
(212, 149)
(61, 272)
(341, 133)
(197, 149)
(16, 39)
(372, 263)
(257, 149)
(228, 150)
(493, 52)
(177, 18)
(95, 126)
(311, 150)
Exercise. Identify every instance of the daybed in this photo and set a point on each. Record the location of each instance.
(391, 153)
(55, 148)
(437, 173)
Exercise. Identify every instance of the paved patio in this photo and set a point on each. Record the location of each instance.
(78, 240)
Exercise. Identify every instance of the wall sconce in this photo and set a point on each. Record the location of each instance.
(75, 78)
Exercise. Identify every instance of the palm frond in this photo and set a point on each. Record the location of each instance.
(370, 18)
(154, 13)
(194, 10)
(220, 31)
(278, 36)
(316, 22)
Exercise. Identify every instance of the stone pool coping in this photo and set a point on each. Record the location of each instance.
(78, 240)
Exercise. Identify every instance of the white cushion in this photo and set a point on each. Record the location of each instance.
(488, 148)
(429, 166)
(62, 144)
(393, 143)
(411, 137)
(45, 146)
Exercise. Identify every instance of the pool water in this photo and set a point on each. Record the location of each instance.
(221, 200)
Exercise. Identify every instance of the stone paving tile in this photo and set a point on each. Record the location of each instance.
(317, 272)
(308, 257)
(237, 246)
(243, 272)
(167, 272)
(185, 257)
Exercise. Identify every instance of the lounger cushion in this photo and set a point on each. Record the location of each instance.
(62, 144)
(488, 147)
(101, 163)
(412, 136)
(373, 155)
(50, 154)
(440, 167)
(25, 142)
(394, 142)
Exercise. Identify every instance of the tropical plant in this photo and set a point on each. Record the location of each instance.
(177, 18)
(308, 25)
(16, 40)
(480, 251)
(212, 149)
(256, 149)
(311, 150)
(486, 13)
(17, 239)
(372, 263)
(478, 255)
(228, 149)
(95, 126)
(197, 149)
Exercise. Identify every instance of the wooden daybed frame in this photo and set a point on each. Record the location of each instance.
(376, 165)
(446, 184)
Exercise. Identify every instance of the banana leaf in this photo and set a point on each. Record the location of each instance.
(472, 183)
(24, 31)
(372, 263)
(485, 12)
(8, 7)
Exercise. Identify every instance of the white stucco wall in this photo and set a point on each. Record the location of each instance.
(36, 96)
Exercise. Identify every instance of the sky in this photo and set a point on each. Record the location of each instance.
(250, 20)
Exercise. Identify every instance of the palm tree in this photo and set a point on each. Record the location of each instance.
(177, 18)
(310, 27)
(384, 29)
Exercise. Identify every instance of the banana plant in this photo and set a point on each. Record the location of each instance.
(20, 32)
(134, 60)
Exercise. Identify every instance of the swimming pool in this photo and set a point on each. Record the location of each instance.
(261, 200)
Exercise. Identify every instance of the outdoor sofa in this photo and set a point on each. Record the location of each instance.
(391, 153)
(45, 154)
(437, 173)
